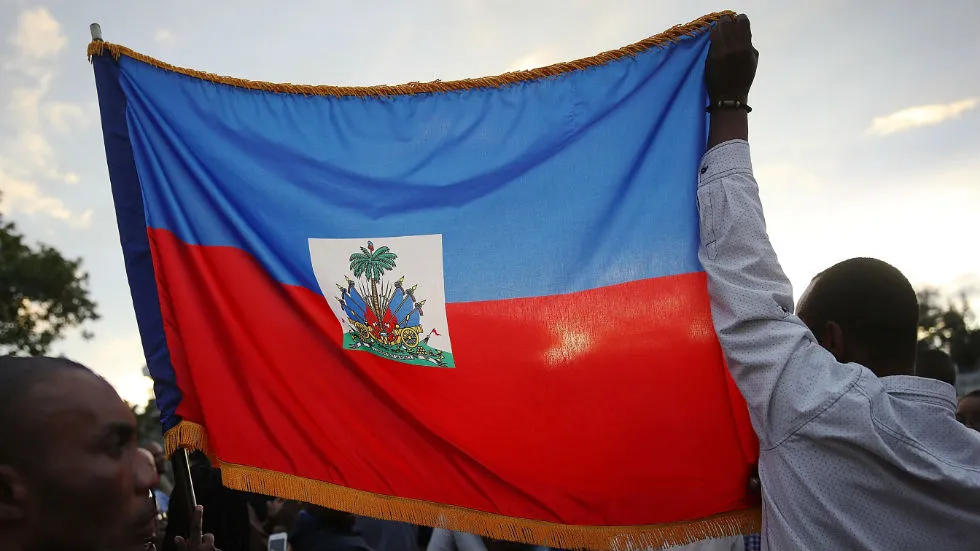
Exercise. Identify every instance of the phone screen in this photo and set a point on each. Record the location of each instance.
(277, 542)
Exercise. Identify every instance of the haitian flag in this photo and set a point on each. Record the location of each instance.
(473, 304)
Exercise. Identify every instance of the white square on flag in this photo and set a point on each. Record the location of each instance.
(388, 294)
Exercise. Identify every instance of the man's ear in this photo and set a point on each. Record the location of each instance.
(832, 338)
(13, 494)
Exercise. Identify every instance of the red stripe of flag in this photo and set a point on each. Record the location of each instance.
(600, 407)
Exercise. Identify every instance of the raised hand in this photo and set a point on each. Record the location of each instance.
(198, 541)
(729, 72)
(732, 60)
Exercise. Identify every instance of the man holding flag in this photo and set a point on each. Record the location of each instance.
(856, 453)
(385, 299)
(279, 271)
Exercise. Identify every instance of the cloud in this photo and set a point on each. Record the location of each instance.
(28, 160)
(781, 174)
(25, 101)
(165, 37)
(24, 196)
(920, 115)
(38, 34)
(31, 114)
(533, 60)
(815, 219)
(64, 116)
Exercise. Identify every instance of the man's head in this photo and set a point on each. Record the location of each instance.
(968, 410)
(935, 364)
(70, 473)
(864, 310)
(159, 457)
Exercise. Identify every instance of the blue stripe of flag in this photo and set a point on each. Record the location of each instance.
(544, 187)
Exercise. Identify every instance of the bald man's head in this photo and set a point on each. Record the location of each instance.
(864, 310)
(19, 376)
(70, 473)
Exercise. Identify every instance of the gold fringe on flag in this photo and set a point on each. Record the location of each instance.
(562, 536)
(671, 35)
(190, 436)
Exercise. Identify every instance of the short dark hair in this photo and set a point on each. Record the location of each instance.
(935, 364)
(18, 374)
(874, 305)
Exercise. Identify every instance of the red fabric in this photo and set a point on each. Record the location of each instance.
(554, 411)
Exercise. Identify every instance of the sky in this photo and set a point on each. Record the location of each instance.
(865, 131)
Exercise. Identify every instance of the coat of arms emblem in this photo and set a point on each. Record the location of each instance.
(380, 307)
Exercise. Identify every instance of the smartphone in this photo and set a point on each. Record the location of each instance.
(277, 541)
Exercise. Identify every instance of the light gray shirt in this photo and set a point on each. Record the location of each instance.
(449, 540)
(847, 460)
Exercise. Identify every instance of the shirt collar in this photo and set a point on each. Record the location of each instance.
(921, 385)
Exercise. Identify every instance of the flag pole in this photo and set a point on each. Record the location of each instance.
(182, 474)
(183, 487)
(181, 463)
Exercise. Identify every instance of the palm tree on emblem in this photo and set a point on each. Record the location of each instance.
(372, 264)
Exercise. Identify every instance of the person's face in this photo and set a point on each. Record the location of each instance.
(968, 412)
(159, 458)
(87, 486)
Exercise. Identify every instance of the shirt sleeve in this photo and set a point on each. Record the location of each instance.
(787, 379)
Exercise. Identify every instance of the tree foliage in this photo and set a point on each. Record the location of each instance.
(42, 294)
(949, 324)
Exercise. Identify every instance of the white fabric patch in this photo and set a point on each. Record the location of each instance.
(401, 286)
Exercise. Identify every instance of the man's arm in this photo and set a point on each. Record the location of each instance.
(728, 125)
(784, 375)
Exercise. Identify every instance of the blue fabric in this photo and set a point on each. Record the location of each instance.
(543, 187)
(132, 233)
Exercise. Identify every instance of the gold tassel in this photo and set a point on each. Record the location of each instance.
(671, 35)
(193, 436)
(535, 532)
(190, 436)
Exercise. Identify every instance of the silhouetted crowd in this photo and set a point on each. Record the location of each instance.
(73, 477)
